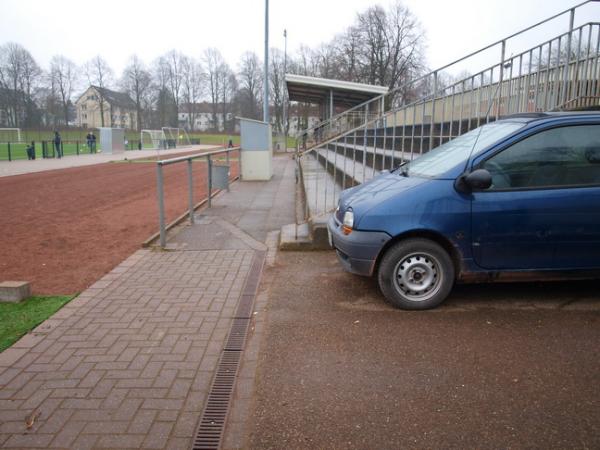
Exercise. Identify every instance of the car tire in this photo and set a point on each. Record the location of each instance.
(416, 274)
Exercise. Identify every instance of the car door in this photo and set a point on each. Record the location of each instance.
(543, 208)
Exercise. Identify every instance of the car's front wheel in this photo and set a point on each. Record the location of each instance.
(416, 274)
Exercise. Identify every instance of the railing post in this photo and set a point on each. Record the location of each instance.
(501, 79)
(227, 154)
(161, 205)
(9, 155)
(209, 165)
(432, 121)
(77, 147)
(190, 191)
(563, 97)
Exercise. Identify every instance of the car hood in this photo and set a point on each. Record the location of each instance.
(363, 197)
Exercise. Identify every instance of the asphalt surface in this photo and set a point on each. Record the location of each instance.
(496, 366)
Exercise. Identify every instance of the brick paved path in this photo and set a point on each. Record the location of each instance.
(128, 363)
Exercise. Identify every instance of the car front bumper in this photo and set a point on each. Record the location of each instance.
(358, 250)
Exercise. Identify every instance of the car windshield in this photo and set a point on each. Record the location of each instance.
(443, 158)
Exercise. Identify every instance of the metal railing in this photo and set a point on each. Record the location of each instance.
(558, 74)
(423, 86)
(209, 156)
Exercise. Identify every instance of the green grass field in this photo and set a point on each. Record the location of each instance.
(16, 319)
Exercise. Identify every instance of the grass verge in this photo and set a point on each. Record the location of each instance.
(16, 319)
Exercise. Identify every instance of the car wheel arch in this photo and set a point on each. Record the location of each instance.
(424, 234)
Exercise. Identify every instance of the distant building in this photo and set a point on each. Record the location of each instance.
(201, 114)
(119, 109)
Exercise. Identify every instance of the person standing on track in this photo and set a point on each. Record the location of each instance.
(31, 151)
(58, 144)
(88, 138)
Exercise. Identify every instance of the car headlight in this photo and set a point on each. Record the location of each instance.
(348, 222)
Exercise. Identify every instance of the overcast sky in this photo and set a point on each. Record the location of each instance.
(116, 29)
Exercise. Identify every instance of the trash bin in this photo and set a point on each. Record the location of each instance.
(220, 176)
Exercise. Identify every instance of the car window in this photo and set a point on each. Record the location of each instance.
(565, 156)
(448, 155)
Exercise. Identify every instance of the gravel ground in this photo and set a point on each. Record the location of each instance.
(64, 229)
(497, 366)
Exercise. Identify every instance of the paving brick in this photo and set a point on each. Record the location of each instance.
(82, 403)
(114, 399)
(92, 378)
(66, 437)
(168, 416)
(195, 401)
(152, 370)
(180, 389)
(186, 424)
(155, 403)
(102, 389)
(142, 422)
(29, 440)
(165, 378)
(35, 399)
(11, 355)
(147, 393)
(103, 427)
(70, 393)
(118, 441)
(28, 390)
(158, 435)
(7, 374)
(15, 426)
(85, 442)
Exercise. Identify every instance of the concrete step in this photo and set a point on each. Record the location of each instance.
(295, 237)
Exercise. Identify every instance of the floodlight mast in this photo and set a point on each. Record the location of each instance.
(266, 75)
(283, 89)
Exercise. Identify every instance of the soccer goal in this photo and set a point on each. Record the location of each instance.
(176, 137)
(10, 135)
(153, 139)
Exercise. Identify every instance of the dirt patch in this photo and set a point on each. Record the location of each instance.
(64, 229)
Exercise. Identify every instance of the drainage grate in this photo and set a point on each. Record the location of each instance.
(237, 334)
(211, 427)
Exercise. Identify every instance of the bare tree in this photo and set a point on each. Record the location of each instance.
(19, 77)
(229, 87)
(347, 48)
(137, 82)
(163, 98)
(250, 80)
(215, 65)
(192, 87)
(175, 61)
(383, 47)
(63, 74)
(100, 74)
(277, 88)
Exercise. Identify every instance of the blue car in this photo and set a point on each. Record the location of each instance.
(516, 199)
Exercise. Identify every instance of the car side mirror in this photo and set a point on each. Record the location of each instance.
(477, 180)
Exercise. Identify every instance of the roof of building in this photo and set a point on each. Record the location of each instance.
(116, 98)
(317, 90)
(120, 99)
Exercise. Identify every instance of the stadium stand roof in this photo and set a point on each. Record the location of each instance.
(319, 91)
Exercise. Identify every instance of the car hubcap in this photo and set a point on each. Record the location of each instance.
(417, 276)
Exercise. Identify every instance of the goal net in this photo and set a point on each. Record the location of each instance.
(176, 137)
(153, 139)
(10, 135)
